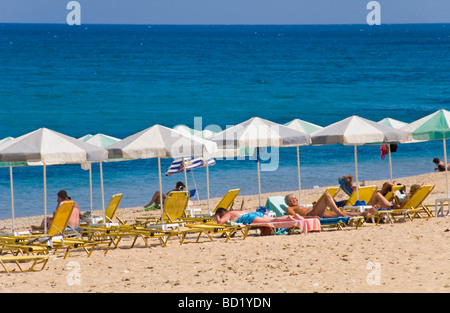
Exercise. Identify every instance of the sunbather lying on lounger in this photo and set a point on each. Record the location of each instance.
(397, 202)
(222, 216)
(319, 208)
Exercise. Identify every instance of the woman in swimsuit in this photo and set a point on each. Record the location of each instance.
(222, 216)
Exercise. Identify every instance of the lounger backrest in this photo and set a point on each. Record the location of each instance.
(228, 199)
(276, 204)
(365, 193)
(333, 191)
(111, 209)
(345, 187)
(419, 196)
(176, 204)
(390, 195)
(61, 218)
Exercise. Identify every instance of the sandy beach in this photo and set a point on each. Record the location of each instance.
(407, 257)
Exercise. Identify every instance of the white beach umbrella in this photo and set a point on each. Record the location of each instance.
(259, 133)
(99, 140)
(47, 147)
(11, 181)
(161, 142)
(205, 134)
(356, 131)
(435, 126)
(394, 124)
(307, 128)
(303, 126)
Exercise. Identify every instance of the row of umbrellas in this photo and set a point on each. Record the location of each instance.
(46, 147)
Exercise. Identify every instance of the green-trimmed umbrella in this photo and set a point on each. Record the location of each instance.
(307, 128)
(435, 126)
(260, 133)
(99, 140)
(303, 126)
(394, 124)
(357, 131)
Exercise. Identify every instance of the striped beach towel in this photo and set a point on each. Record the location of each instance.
(191, 163)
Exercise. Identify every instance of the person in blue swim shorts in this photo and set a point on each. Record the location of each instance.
(222, 216)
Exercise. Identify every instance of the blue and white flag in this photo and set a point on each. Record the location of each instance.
(191, 163)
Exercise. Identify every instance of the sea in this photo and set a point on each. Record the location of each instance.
(120, 79)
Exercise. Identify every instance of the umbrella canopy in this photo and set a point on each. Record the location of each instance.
(303, 126)
(392, 123)
(260, 133)
(161, 142)
(435, 126)
(99, 140)
(356, 131)
(191, 163)
(49, 147)
(206, 133)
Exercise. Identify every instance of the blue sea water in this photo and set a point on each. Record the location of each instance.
(121, 79)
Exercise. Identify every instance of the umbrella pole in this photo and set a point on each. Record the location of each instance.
(90, 183)
(356, 173)
(185, 174)
(299, 181)
(45, 198)
(207, 182)
(446, 169)
(160, 191)
(12, 197)
(259, 176)
(195, 185)
(103, 192)
(390, 161)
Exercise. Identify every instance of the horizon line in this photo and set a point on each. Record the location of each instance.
(232, 24)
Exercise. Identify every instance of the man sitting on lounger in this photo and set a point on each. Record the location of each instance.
(74, 220)
(318, 209)
(222, 216)
(154, 203)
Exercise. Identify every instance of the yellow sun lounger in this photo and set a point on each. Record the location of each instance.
(56, 239)
(226, 202)
(365, 193)
(19, 260)
(413, 208)
(228, 199)
(390, 195)
(174, 208)
(111, 210)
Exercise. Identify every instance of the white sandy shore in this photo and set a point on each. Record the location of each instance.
(402, 257)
